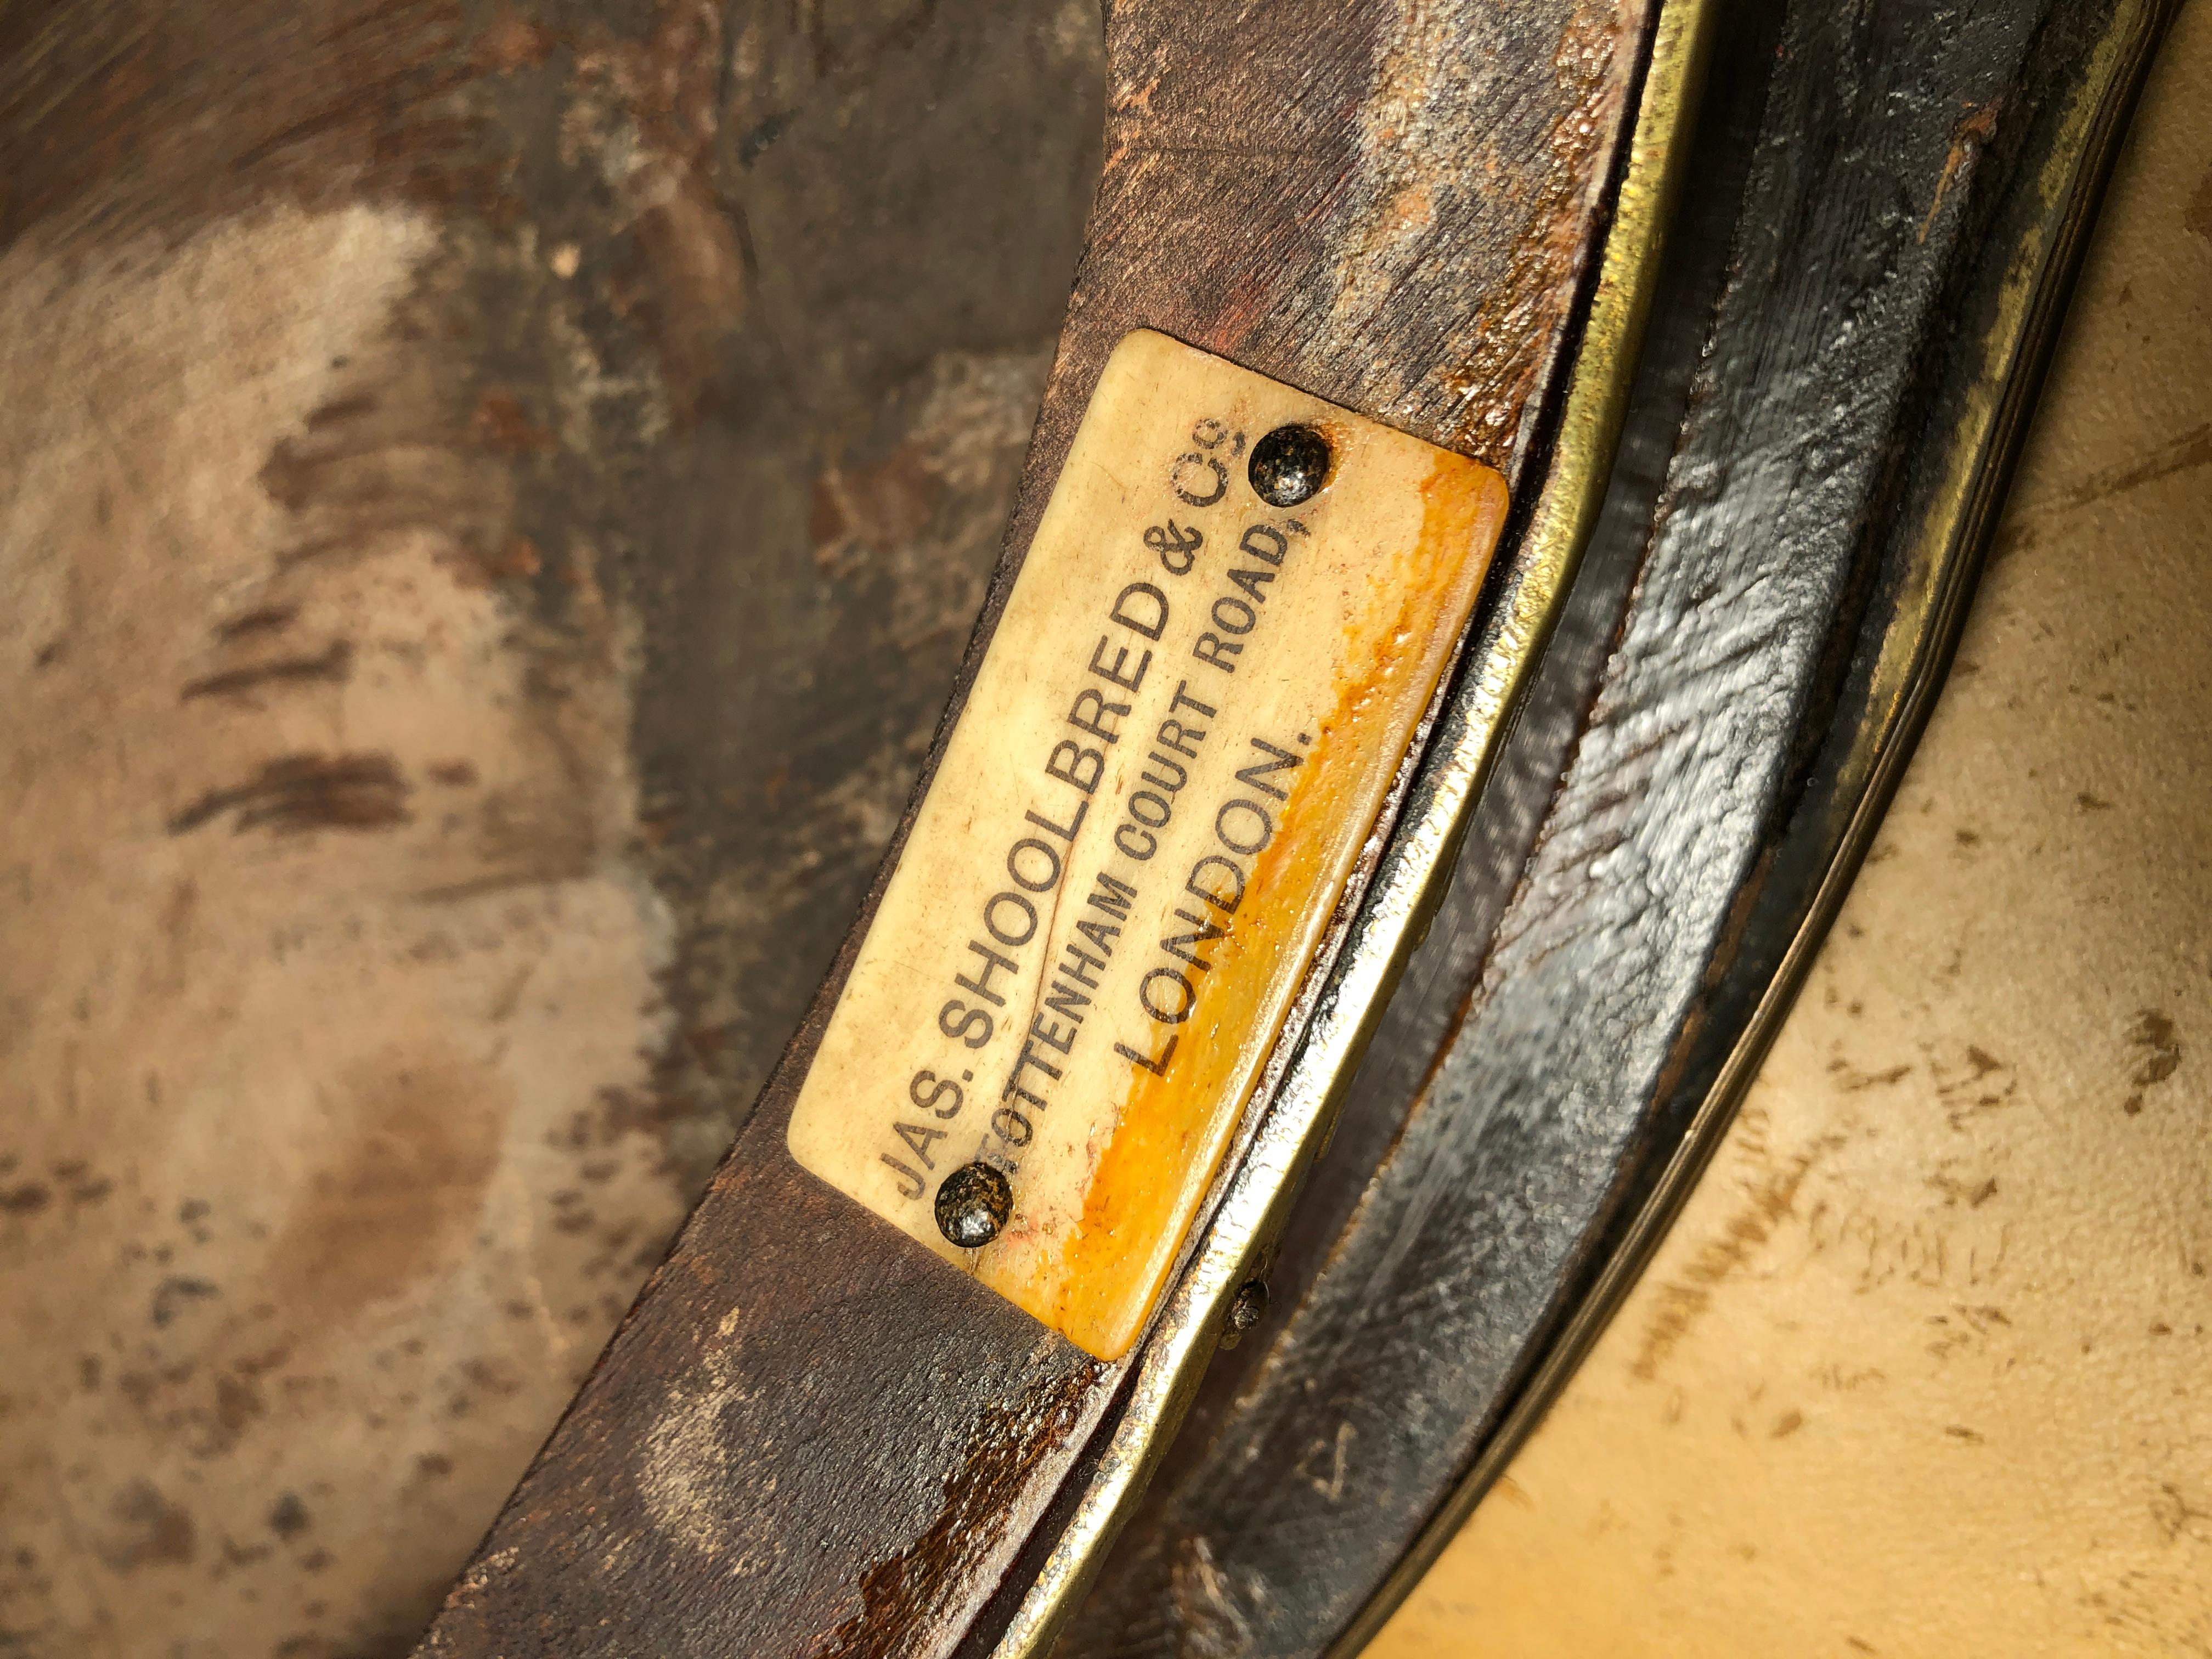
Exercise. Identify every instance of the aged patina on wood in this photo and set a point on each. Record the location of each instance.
(496, 495)
(808, 1437)
(448, 125)
(557, 388)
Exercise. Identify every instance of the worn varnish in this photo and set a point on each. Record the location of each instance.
(525, 474)
(819, 1350)
(522, 405)
(462, 677)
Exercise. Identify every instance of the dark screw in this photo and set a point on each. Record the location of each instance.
(1249, 1308)
(1290, 464)
(973, 1204)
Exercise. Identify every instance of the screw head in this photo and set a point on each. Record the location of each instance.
(1290, 464)
(1248, 1309)
(973, 1204)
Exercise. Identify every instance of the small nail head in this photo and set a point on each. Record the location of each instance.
(1249, 1308)
(1290, 464)
(973, 1205)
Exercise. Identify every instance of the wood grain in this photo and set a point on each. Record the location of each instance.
(829, 1361)
(471, 636)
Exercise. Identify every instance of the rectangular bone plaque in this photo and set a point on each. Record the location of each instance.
(1180, 735)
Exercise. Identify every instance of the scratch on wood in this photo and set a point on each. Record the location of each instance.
(307, 792)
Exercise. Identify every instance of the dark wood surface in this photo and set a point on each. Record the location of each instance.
(725, 324)
(810, 1437)
(1830, 356)
(523, 478)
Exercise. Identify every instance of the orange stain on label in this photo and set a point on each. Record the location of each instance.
(1169, 1139)
(1181, 735)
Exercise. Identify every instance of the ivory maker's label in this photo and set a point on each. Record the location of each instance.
(1180, 736)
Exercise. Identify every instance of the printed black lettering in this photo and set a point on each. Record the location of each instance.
(1132, 604)
(910, 1184)
(1218, 881)
(1081, 966)
(1158, 1068)
(999, 901)
(1127, 681)
(1101, 713)
(1054, 1036)
(1072, 763)
(1035, 880)
(1177, 998)
(1254, 582)
(1010, 1127)
(1177, 945)
(1100, 933)
(1029, 1057)
(1244, 814)
(927, 1089)
(1138, 844)
(1183, 699)
(1052, 829)
(1066, 1002)
(918, 1136)
(1189, 476)
(1277, 544)
(961, 1023)
(1177, 547)
(1215, 652)
(1186, 739)
(992, 963)
(1255, 774)
(1234, 615)
(1174, 785)
(1155, 803)
(1112, 895)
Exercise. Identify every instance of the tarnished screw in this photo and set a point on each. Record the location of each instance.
(973, 1204)
(1249, 1308)
(1290, 464)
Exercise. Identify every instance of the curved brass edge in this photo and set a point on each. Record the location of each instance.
(2021, 339)
(1444, 774)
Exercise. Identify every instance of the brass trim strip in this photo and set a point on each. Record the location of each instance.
(1916, 656)
(1415, 864)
